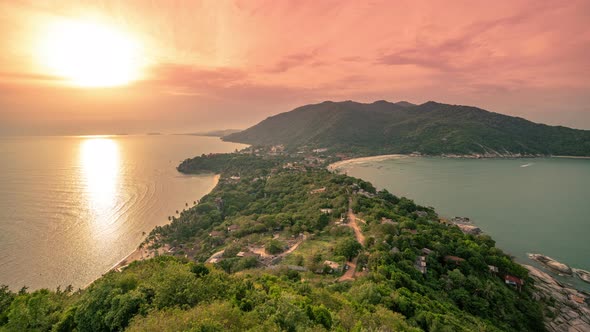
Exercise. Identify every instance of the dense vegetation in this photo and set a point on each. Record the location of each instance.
(276, 207)
(431, 128)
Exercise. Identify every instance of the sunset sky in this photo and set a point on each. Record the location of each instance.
(188, 66)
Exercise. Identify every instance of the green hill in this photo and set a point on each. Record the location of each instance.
(267, 251)
(431, 128)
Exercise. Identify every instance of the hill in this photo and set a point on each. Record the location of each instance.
(268, 250)
(431, 128)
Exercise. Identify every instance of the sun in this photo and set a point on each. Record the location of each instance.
(88, 54)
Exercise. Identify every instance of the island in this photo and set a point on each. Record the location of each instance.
(286, 242)
(282, 243)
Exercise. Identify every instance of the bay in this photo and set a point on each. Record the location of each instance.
(72, 207)
(539, 205)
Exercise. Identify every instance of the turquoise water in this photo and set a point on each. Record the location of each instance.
(526, 205)
(72, 207)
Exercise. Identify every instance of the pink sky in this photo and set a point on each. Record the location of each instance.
(230, 64)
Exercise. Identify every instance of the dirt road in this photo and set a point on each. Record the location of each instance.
(354, 225)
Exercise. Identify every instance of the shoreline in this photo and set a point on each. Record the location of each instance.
(343, 164)
(359, 160)
(142, 252)
(382, 157)
(571, 157)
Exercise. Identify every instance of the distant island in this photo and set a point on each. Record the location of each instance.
(216, 133)
(431, 128)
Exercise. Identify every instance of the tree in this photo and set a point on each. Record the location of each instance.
(274, 247)
(348, 248)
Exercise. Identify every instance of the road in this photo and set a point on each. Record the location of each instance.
(354, 225)
(358, 234)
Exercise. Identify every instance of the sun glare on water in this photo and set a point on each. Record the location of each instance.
(99, 160)
(89, 54)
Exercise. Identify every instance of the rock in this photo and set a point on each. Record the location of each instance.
(469, 229)
(569, 314)
(551, 263)
(582, 274)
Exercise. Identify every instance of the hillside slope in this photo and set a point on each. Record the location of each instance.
(430, 128)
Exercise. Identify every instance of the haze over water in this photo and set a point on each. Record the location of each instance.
(72, 207)
(526, 205)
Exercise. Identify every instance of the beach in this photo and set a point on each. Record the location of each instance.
(348, 162)
(143, 252)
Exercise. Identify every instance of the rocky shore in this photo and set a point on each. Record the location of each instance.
(582, 274)
(551, 263)
(569, 308)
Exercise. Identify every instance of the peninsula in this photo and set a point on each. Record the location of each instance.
(281, 243)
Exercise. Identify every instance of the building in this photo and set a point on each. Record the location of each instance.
(420, 264)
(326, 211)
(426, 251)
(318, 191)
(232, 228)
(513, 281)
(334, 267)
(216, 234)
(454, 259)
(388, 221)
(493, 269)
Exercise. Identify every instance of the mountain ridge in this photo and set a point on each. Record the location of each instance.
(430, 128)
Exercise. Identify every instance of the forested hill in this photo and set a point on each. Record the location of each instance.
(269, 250)
(431, 128)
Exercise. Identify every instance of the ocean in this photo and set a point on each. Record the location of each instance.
(539, 205)
(72, 207)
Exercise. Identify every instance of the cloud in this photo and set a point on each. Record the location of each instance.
(182, 75)
(294, 60)
(29, 78)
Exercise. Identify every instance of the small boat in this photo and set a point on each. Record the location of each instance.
(526, 165)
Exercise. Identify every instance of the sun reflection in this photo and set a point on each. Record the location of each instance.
(99, 158)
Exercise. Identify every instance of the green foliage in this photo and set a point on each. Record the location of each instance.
(431, 128)
(274, 247)
(177, 294)
(36, 311)
(6, 297)
(348, 248)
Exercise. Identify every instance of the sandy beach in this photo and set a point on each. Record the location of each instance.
(342, 163)
(143, 252)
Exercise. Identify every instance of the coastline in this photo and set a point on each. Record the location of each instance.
(360, 160)
(571, 157)
(142, 252)
(343, 164)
